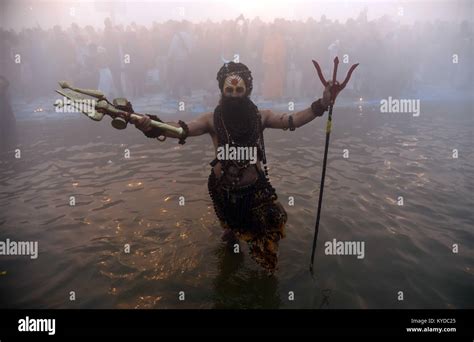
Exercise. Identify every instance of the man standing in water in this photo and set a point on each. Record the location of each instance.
(244, 200)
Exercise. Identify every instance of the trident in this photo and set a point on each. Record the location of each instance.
(335, 89)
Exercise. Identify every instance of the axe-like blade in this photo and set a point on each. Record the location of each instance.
(84, 105)
(89, 92)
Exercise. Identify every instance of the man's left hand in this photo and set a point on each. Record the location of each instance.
(326, 99)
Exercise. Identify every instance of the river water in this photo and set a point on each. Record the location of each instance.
(177, 248)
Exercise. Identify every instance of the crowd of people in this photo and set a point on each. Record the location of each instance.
(178, 58)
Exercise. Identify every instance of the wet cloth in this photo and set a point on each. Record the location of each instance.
(253, 214)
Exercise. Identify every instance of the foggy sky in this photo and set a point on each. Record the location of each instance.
(17, 14)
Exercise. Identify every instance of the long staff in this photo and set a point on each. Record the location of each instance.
(335, 89)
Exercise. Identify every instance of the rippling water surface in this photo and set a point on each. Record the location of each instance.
(178, 248)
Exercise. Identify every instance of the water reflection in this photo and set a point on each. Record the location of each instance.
(238, 286)
(172, 248)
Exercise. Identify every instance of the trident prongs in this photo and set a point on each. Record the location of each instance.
(336, 86)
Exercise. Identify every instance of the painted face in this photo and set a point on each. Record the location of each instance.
(234, 86)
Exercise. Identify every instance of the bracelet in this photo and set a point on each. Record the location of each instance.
(291, 125)
(317, 108)
(182, 139)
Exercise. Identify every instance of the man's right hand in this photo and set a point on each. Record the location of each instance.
(143, 123)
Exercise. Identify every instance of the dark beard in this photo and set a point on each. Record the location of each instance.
(239, 115)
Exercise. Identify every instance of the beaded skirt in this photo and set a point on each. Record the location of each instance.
(253, 214)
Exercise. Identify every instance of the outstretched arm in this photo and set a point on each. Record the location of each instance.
(298, 119)
(199, 126)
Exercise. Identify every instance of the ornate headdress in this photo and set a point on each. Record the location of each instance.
(239, 69)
